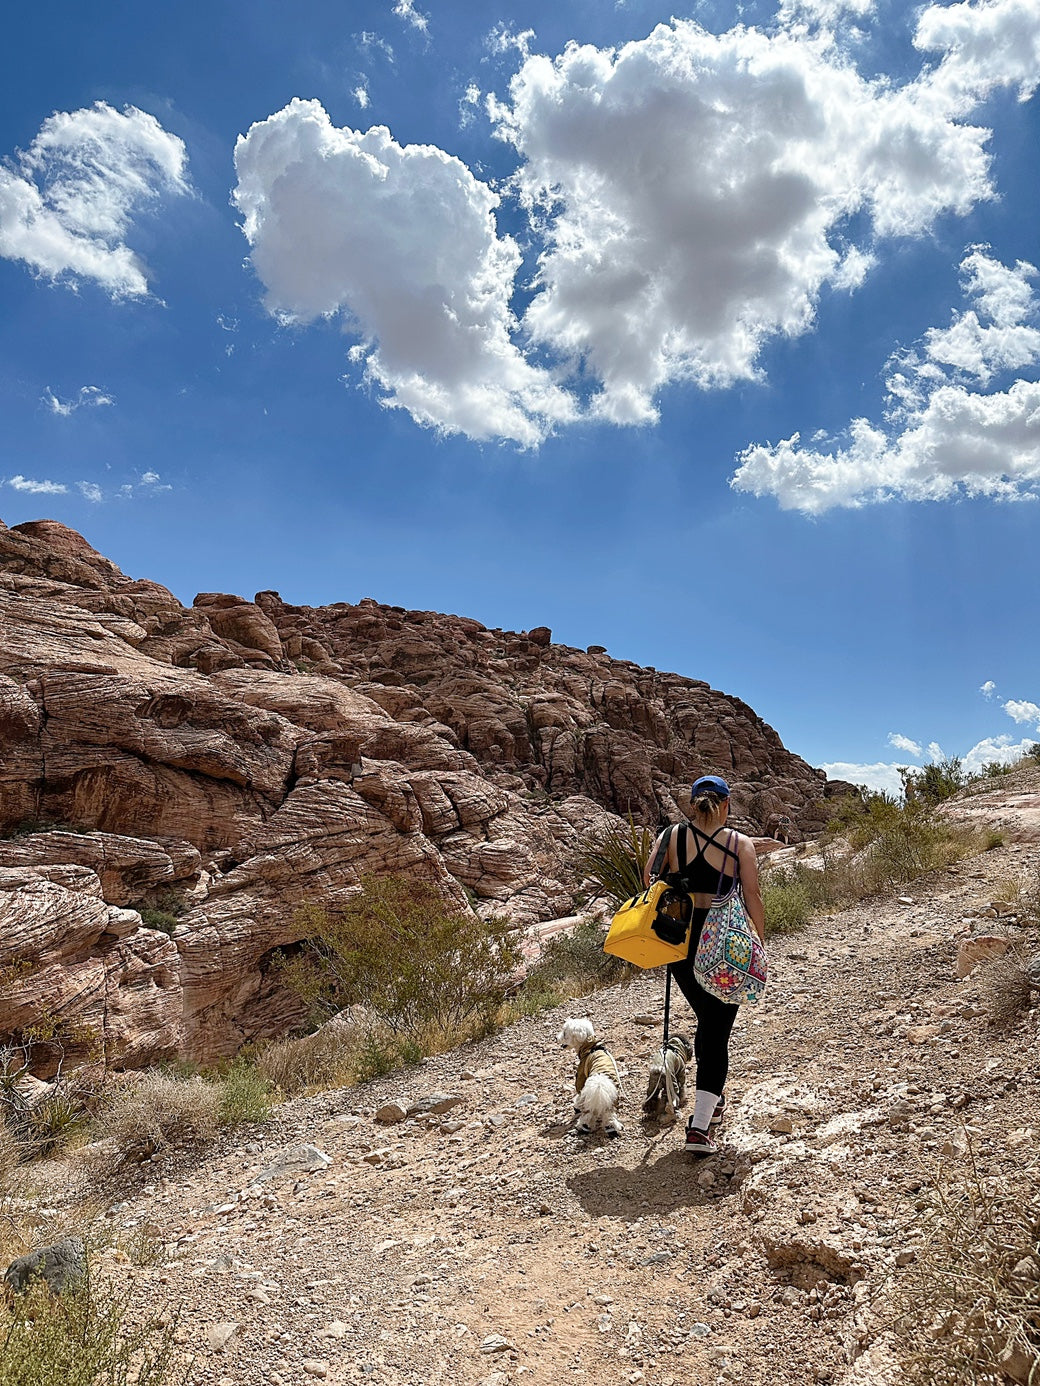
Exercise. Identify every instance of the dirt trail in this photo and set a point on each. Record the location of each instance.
(486, 1245)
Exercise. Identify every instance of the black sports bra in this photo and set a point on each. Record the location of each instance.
(699, 877)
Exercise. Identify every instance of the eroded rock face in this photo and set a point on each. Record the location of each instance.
(219, 766)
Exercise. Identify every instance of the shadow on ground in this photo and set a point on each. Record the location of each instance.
(659, 1188)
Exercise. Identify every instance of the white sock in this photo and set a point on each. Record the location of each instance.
(704, 1104)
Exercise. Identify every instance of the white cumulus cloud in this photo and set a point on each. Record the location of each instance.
(942, 436)
(401, 243)
(880, 775)
(36, 488)
(694, 192)
(988, 689)
(87, 397)
(91, 491)
(67, 202)
(903, 743)
(994, 749)
(1020, 711)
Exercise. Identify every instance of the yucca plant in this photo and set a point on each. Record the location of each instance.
(614, 859)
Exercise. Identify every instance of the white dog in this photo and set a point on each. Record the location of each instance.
(666, 1087)
(597, 1081)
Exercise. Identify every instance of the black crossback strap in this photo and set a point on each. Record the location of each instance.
(661, 854)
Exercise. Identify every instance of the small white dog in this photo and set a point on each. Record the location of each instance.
(597, 1081)
(666, 1086)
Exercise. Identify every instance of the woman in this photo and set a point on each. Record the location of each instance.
(711, 858)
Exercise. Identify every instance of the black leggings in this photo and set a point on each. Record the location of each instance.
(714, 1019)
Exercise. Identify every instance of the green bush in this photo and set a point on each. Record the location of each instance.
(245, 1094)
(872, 845)
(55, 1123)
(614, 858)
(791, 895)
(28, 827)
(415, 965)
(158, 919)
(84, 1338)
(933, 783)
(572, 964)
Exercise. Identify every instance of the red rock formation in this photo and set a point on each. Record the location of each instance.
(242, 758)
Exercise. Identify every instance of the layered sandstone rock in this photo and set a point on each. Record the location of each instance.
(233, 761)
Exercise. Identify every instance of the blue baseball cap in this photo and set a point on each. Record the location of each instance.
(714, 783)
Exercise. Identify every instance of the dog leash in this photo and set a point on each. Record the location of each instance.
(667, 1001)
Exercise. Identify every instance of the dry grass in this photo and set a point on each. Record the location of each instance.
(319, 1061)
(967, 1312)
(156, 1110)
(1009, 987)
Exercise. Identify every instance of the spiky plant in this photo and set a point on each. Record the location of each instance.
(614, 859)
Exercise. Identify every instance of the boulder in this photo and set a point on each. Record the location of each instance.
(62, 1266)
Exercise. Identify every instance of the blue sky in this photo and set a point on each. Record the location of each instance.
(710, 335)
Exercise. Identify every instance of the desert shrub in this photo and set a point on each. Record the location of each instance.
(155, 1110)
(791, 895)
(153, 918)
(375, 1054)
(164, 911)
(320, 1060)
(614, 858)
(1032, 753)
(571, 964)
(968, 1309)
(1008, 985)
(932, 783)
(245, 1094)
(28, 827)
(84, 1338)
(37, 1127)
(55, 1123)
(890, 844)
(416, 965)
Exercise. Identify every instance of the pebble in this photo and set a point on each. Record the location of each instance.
(390, 1114)
(494, 1342)
(313, 1367)
(218, 1335)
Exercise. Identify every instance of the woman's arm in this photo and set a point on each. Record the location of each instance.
(666, 864)
(749, 886)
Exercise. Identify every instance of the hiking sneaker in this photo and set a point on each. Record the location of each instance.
(700, 1142)
(718, 1116)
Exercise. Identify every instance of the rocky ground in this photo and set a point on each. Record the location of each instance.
(477, 1241)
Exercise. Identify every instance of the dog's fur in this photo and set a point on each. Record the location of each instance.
(666, 1086)
(597, 1080)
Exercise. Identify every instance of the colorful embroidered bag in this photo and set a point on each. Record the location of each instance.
(731, 960)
